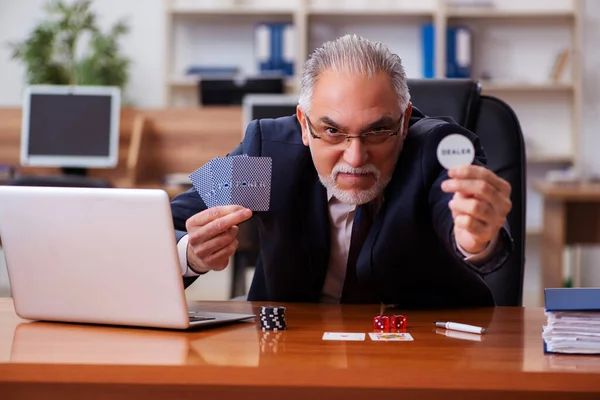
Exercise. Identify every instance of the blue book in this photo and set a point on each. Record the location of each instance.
(572, 299)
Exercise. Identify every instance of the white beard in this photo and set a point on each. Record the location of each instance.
(355, 196)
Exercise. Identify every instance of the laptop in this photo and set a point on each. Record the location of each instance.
(96, 255)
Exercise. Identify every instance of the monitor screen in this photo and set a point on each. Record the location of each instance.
(70, 126)
(267, 106)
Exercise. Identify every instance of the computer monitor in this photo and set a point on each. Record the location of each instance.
(71, 127)
(259, 106)
(231, 90)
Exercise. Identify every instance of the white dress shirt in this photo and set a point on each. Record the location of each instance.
(341, 219)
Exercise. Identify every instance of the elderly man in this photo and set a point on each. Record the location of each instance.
(361, 209)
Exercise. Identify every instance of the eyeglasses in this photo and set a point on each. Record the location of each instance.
(333, 136)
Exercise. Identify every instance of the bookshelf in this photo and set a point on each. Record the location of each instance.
(516, 45)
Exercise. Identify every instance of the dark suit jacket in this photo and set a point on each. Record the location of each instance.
(410, 254)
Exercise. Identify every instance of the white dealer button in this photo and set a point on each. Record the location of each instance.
(455, 150)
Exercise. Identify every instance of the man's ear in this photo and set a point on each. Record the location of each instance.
(302, 120)
(406, 120)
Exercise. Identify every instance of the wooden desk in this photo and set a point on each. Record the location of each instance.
(571, 216)
(63, 361)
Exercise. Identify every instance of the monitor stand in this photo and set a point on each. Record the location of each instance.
(72, 171)
(71, 177)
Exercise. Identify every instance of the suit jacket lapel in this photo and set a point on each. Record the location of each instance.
(315, 229)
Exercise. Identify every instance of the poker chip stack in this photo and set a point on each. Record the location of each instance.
(272, 318)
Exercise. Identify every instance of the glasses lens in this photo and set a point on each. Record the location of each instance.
(378, 137)
(335, 139)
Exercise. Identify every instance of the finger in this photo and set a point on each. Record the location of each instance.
(480, 189)
(472, 225)
(472, 206)
(480, 172)
(219, 260)
(220, 225)
(204, 217)
(203, 249)
(493, 218)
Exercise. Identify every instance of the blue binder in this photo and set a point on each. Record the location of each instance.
(428, 43)
(458, 51)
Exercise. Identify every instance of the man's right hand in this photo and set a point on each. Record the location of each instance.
(212, 237)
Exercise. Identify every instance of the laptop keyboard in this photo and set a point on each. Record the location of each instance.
(195, 317)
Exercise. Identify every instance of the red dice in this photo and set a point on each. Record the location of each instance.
(381, 323)
(398, 322)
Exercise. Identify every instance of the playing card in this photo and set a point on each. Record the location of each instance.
(221, 172)
(240, 179)
(343, 336)
(392, 336)
(252, 182)
(201, 181)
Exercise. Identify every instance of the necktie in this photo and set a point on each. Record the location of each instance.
(353, 291)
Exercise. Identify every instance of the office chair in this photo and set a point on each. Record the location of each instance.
(500, 133)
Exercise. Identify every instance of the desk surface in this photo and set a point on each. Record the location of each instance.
(574, 191)
(508, 357)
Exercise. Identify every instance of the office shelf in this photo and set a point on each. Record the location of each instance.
(550, 158)
(488, 86)
(223, 8)
(183, 82)
(366, 13)
(494, 13)
(318, 11)
(191, 82)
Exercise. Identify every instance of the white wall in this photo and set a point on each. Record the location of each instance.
(144, 45)
(590, 138)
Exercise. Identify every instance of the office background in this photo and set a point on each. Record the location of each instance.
(156, 83)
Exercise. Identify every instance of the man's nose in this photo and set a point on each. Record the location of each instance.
(356, 154)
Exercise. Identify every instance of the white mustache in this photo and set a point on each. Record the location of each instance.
(346, 169)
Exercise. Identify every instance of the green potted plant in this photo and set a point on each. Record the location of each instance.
(50, 53)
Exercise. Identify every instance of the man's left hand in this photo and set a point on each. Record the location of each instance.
(479, 206)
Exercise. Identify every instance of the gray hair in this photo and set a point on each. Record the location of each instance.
(355, 55)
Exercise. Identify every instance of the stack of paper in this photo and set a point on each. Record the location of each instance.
(575, 332)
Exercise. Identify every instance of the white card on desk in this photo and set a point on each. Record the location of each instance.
(343, 336)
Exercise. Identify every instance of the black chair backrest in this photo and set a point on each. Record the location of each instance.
(502, 139)
(456, 98)
(501, 136)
